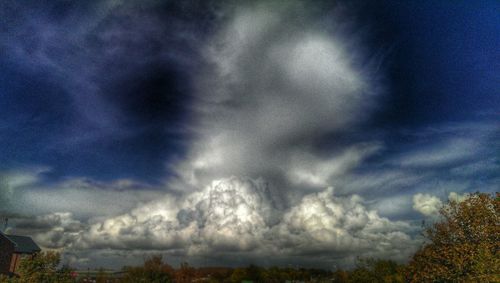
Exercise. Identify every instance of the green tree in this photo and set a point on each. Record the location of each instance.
(463, 246)
(239, 274)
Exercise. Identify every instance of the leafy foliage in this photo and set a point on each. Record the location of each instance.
(464, 246)
(43, 268)
(377, 271)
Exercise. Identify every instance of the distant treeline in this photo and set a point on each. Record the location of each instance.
(367, 270)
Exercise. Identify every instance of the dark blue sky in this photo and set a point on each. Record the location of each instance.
(440, 58)
(39, 113)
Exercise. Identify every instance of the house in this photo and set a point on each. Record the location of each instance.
(12, 248)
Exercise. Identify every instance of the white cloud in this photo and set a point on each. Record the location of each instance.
(273, 87)
(311, 170)
(25, 192)
(228, 214)
(322, 223)
(450, 151)
(13, 181)
(453, 196)
(430, 205)
(232, 217)
(53, 231)
(394, 205)
(426, 204)
(243, 217)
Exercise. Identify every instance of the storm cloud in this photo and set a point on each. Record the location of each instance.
(222, 133)
(271, 90)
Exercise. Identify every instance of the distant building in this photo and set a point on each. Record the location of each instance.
(12, 249)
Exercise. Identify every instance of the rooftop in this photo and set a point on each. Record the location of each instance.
(23, 244)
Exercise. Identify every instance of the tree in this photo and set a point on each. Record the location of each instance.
(463, 246)
(239, 274)
(185, 273)
(273, 275)
(377, 271)
(340, 276)
(41, 267)
(154, 270)
(254, 273)
(102, 276)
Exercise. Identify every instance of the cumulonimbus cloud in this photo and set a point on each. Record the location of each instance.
(274, 84)
(238, 217)
(274, 87)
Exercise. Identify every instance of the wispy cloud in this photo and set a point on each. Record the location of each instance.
(26, 192)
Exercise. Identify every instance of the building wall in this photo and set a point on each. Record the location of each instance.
(6, 252)
(14, 263)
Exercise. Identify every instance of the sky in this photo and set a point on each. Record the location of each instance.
(305, 133)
